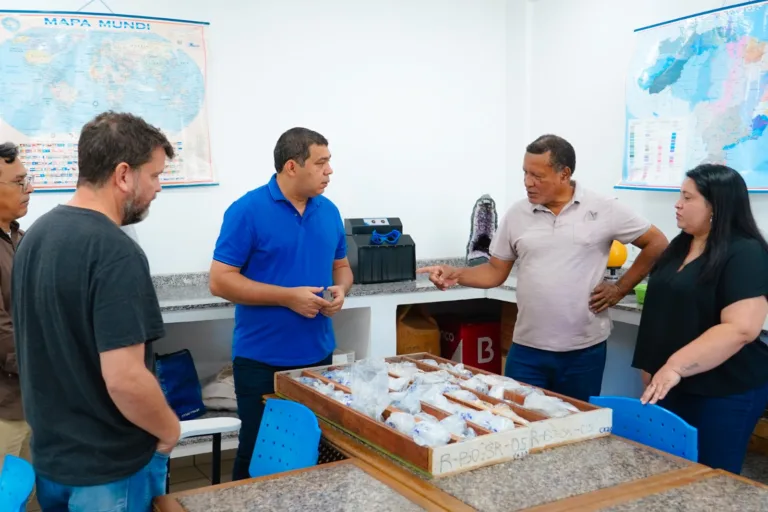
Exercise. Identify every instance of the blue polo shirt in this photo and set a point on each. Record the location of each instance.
(264, 235)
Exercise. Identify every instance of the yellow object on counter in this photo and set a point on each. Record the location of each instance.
(618, 255)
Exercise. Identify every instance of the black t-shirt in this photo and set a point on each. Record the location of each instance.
(679, 308)
(80, 287)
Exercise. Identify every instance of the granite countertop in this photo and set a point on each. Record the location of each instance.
(555, 474)
(721, 493)
(178, 292)
(341, 487)
(181, 292)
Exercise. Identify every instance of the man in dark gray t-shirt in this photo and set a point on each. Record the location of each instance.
(86, 312)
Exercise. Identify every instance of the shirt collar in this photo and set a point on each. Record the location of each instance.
(277, 194)
(274, 189)
(578, 197)
(14, 232)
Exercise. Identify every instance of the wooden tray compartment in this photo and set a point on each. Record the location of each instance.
(591, 422)
(425, 407)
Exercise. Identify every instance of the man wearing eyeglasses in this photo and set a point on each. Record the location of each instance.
(15, 188)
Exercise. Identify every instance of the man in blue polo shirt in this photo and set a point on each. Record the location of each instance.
(280, 247)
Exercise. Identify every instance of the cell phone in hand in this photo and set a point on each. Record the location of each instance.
(328, 295)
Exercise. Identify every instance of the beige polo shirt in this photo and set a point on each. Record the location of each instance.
(561, 259)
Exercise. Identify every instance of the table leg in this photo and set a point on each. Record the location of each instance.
(216, 460)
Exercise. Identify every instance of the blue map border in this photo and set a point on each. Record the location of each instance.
(724, 8)
(167, 186)
(623, 186)
(107, 15)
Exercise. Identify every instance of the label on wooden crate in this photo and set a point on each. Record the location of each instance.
(579, 426)
(481, 451)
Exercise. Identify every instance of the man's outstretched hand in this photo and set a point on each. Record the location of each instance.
(442, 276)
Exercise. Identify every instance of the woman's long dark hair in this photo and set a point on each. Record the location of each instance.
(726, 192)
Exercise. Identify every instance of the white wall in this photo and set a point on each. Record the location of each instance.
(411, 96)
(519, 16)
(577, 88)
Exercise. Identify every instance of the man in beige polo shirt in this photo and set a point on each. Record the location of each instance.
(560, 236)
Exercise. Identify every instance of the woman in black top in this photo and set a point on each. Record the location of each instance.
(698, 343)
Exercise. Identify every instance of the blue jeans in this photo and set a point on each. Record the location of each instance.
(724, 424)
(577, 373)
(253, 380)
(132, 494)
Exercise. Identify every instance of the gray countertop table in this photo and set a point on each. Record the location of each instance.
(716, 490)
(345, 486)
(557, 473)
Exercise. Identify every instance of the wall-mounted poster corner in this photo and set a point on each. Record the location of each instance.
(58, 70)
(696, 93)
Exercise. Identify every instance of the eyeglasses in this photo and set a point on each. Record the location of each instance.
(25, 182)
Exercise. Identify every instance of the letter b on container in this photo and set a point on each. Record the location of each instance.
(475, 344)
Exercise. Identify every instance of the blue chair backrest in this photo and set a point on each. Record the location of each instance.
(651, 425)
(289, 438)
(16, 483)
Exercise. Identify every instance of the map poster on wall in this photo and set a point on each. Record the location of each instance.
(697, 92)
(59, 70)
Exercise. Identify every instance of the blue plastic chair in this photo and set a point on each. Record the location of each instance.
(651, 425)
(16, 483)
(289, 438)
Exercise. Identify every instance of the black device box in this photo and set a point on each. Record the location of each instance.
(385, 263)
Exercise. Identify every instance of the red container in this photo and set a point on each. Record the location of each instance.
(475, 344)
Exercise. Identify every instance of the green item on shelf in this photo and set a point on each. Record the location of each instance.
(640, 292)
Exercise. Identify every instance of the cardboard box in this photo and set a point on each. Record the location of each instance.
(416, 331)
(476, 344)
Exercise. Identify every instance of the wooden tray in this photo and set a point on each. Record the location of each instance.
(486, 449)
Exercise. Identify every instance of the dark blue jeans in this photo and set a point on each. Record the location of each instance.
(576, 373)
(253, 380)
(724, 424)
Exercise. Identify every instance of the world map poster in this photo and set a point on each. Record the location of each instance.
(59, 70)
(697, 92)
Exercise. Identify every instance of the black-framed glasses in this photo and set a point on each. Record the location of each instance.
(24, 183)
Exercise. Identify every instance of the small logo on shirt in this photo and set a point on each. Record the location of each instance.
(591, 215)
